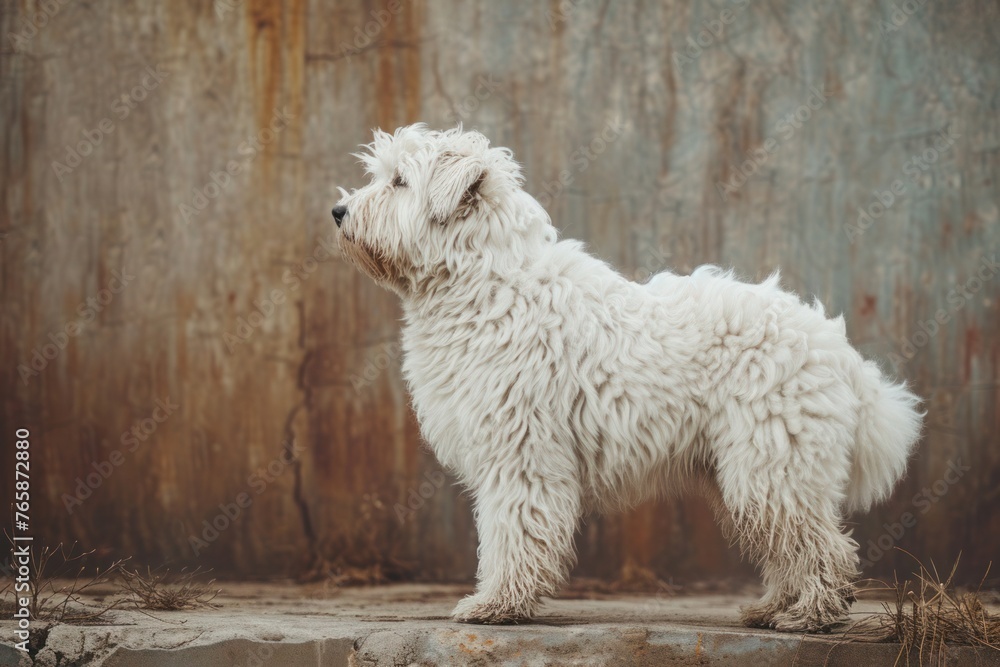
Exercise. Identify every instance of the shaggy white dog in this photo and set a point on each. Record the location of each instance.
(552, 386)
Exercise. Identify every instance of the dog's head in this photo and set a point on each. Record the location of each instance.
(438, 204)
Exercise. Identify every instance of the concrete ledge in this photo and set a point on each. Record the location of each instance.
(408, 625)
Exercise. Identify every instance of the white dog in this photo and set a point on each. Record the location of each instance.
(553, 386)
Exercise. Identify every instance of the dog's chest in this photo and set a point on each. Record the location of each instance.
(460, 372)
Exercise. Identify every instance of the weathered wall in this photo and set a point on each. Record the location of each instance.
(236, 313)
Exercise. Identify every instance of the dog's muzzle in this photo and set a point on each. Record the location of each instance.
(338, 214)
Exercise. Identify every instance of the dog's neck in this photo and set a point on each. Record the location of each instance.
(463, 291)
(454, 288)
(465, 294)
(470, 282)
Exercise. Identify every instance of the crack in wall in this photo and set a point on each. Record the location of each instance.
(288, 442)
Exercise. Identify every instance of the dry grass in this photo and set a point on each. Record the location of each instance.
(60, 578)
(927, 615)
(62, 588)
(159, 591)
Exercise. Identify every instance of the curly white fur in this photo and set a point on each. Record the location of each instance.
(552, 386)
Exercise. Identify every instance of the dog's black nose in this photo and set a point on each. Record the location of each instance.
(338, 214)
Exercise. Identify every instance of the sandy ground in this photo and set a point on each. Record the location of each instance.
(289, 624)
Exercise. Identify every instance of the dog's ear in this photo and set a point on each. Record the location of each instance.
(454, 187)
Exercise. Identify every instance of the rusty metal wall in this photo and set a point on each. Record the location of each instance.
(186, 351)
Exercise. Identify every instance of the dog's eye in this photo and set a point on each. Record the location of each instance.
(398, 182)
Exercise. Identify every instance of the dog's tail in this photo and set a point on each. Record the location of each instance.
(888, 429)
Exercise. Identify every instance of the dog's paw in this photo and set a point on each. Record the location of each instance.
(786, 622)
(814, 620)
(758, 615)
(475, 609)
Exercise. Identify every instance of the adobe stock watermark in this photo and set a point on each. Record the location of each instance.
(468, 105)
(375, 364)
(956, 298)
(655, 262)
(706, 37)
(131, 440)
(230, 513)
(364, 35)
(666, 593)
(561, 13)
(257, 655)
(419, 495)
(121, 107)
(913, 168)
(221, 179)
(656, 257)
(784, 130)
(58, 340)
(923, 501)
(223, 7)
(581, 160)
(30, 25)
(899, 15)
(292, 279)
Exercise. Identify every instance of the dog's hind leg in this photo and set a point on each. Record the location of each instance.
(784, 494)
(526, 518)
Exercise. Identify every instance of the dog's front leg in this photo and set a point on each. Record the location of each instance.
(526, 517)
